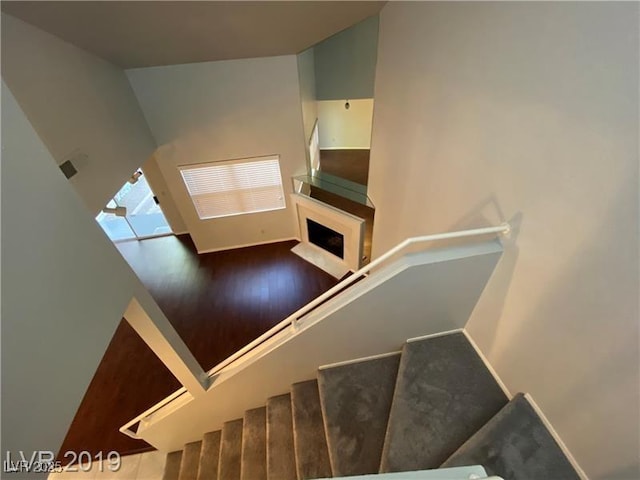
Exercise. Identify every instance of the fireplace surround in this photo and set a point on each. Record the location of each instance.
(341, 232)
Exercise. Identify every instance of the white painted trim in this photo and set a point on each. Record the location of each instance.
(489, 367)
(162, 338)
(307, 201)
(233, 247)
(556, 437)
(148, 414)
(456, 473)
(186, 232)
(345, 148)
(147, 237)
(533, 404)
(144, 237)
(359, 360)
(347, 224)
(159, 413)
(322, 259)
(434, 335)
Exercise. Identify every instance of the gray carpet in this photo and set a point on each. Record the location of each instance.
(209, 456)
(310, 442)
(190, 461)
(443, 394)
(281, 460)
(230, 450)
(515, 445)
(356, 399)
(434, 406)
(172, 466)
(254, 445)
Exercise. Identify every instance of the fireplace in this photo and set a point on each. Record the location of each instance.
(326, 238)
(330, 238)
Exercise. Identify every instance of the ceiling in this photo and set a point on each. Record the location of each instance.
(147, 33)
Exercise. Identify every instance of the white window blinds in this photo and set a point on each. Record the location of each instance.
(221, 189)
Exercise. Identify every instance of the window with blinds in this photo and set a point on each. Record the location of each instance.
(222, 189)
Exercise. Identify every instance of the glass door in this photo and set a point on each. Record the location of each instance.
(133, 212)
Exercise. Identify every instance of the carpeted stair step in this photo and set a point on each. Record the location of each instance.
(356, 399)
(312, 457)
(516, 445)
(281, 460)
(443, 395)
(209, 456)
(457, 473)
(230, 450)
(254, 445)
(172, 466)
(190, 461)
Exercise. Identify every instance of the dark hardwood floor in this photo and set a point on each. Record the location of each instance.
(217, 302)
(350, 164)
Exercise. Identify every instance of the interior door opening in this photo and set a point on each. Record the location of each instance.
(134, 212)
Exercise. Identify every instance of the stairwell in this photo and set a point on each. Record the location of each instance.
(433, 405)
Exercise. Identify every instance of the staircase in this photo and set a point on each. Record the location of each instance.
(433, 405)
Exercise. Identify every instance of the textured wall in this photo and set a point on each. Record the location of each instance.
(226, 110)
(345, 63)
(489, 111)
(78, 104)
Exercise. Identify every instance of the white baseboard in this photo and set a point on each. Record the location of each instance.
(244, 245)
(484, 359)
(344, 148)
(535, 407)
(358, 360)
(434, 335)
(556, 437)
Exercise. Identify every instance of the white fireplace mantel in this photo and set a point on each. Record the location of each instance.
(348, 225)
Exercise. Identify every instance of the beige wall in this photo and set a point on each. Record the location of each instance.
(489, 111)
(224, 110)
(78, 104)
(339, 127)
(64, 290)
(345, 63)
(306, 78)
(160, 189)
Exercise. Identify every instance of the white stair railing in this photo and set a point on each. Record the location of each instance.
(292, 320)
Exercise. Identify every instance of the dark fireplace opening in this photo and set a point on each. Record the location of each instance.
(326, 238)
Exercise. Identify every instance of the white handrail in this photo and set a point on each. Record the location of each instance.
(129, 433)
(292, 319)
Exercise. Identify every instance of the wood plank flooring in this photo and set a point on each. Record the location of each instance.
(217, 302)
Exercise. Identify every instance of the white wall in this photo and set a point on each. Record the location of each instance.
(486, 111)
(225, 110)
(77, 103)
(306, 78)
(64, 290)
(345, 63)
(160, 189)
(342, 128)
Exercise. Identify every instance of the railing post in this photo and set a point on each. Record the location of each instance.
(165, 342)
